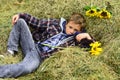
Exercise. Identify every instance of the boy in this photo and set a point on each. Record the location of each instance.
(48, 34)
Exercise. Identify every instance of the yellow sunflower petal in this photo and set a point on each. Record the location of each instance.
(91, 12)
(104, 14)
(95, 48)
(95, 53)
(99, 49)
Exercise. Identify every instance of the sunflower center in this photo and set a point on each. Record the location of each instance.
(91, 11)
(104, 13)
(95, 48)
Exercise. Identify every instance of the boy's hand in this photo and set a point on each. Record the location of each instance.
(14, 19)
(81, 36)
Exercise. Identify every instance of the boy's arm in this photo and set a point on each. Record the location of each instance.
(81, 36)
(84, 40)
(33, 21)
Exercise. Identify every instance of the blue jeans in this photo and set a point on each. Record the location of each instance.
(21, 34)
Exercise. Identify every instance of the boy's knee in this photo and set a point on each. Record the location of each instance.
(21, 20)
(21, 23)
(32, 67)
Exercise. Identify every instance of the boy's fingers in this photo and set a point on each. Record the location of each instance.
(14, 19)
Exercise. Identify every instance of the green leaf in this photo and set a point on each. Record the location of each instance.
(94, 7)
(110, 12)
(98, 9)
(86, 8)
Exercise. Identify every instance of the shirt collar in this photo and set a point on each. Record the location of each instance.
(63, 23)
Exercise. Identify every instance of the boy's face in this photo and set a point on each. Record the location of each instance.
(71, 27)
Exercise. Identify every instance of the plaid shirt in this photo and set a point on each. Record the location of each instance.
(45, 28)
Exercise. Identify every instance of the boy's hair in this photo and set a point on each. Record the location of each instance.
(78, 19)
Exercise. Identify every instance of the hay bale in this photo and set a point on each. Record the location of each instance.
(74, 64)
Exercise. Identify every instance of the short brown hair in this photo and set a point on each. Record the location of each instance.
(78, 19)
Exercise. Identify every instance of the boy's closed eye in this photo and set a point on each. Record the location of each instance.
(70, 27)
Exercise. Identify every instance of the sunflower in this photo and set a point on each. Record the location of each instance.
(95, 48)
(104, 14)
(91, 12)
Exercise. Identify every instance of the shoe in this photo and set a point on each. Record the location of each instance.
(9, 53)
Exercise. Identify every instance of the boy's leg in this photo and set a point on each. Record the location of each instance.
(32, 59)
(29, 64)
(20, 33)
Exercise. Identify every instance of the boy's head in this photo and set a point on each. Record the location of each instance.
(75, 23)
